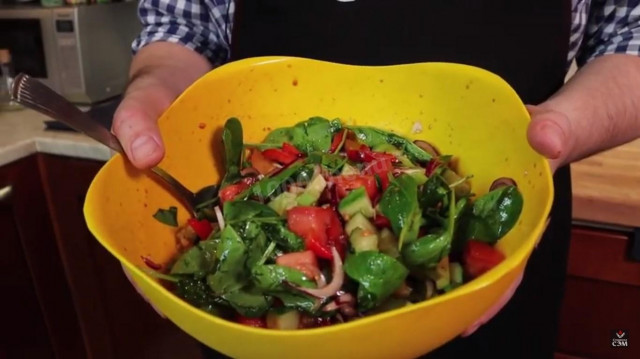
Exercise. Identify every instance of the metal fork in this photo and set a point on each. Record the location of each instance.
(35, 95)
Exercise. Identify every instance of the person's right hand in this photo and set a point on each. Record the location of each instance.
(159, 73)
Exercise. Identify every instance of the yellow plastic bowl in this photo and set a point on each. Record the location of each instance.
(464, 111)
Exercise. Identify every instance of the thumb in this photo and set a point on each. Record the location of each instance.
(550, 134)
(135, 126)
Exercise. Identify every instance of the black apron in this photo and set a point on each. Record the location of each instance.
(525, 42)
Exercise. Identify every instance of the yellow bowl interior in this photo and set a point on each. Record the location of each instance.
(464, 111)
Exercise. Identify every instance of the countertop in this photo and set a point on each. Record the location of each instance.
(606, 187)
(22, 133)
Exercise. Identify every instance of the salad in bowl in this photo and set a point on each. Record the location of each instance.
(324, 223)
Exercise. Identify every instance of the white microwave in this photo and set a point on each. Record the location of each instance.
(81, 51)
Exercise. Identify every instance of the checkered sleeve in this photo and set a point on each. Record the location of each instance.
(200, 25)
(613, 26)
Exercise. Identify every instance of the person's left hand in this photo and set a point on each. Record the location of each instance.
(548, 134)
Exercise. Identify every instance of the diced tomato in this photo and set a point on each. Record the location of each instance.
(320, 228)
(347, 183)
(291, 149)
(305, 262)
(202, 227)
(479, 257)
(381, 167)
(251, 322)
(231, 191)
(337, 141)
(279, 156)
(381, 221)
(261, 163)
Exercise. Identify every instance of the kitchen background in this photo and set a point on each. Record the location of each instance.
(66, 297)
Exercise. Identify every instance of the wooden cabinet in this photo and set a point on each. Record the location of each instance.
(602, 295)
(68, 297)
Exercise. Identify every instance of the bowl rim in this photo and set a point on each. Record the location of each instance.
(518, 257)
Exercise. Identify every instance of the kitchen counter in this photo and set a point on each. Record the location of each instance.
(606, 187)
(23, 133)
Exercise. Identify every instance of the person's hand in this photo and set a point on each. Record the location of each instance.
(548, 134)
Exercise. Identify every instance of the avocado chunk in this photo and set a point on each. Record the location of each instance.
(357, 201)
(456, 273)
(359, 221)
(388, 243)
(363, 240)
(288, 320)
(283, 202)
(348, 169)
(418, 175)
(313, 191)
(440, 274)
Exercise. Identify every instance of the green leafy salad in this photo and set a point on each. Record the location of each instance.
(324, 223)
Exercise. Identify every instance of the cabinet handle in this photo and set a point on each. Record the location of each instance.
(5, 192)
(635, 245)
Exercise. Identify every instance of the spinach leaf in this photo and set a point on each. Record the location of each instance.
(273, 277)
(493, 215)
(426, 251)
(196, 292)
(298, 301)
(399, 203)
(269, 186)
(232, 139)
(431, 248)
(333, 162)
(277, 137)
(278, 233)
(257, 248)
(374, 137)
(378, 275)
(231, 274)
(167, 216)
(314, 134)
(249, 302)
(434, 191)
(190, 262)
(238, 211)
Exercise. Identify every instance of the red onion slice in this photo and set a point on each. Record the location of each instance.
(336, 280)
(219, 217)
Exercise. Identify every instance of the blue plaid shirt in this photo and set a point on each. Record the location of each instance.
(599, 27)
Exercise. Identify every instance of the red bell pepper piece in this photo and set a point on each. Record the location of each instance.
(279, 156)
(291, 149)
(202, 227)
(337, 141)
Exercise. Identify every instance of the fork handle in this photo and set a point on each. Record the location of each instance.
(34, 94)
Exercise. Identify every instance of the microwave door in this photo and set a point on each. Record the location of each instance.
(29, 38)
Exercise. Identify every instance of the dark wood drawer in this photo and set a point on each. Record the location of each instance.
(604, 255)
(602, 295)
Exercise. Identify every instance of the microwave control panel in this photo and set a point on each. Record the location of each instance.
(68, 50)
